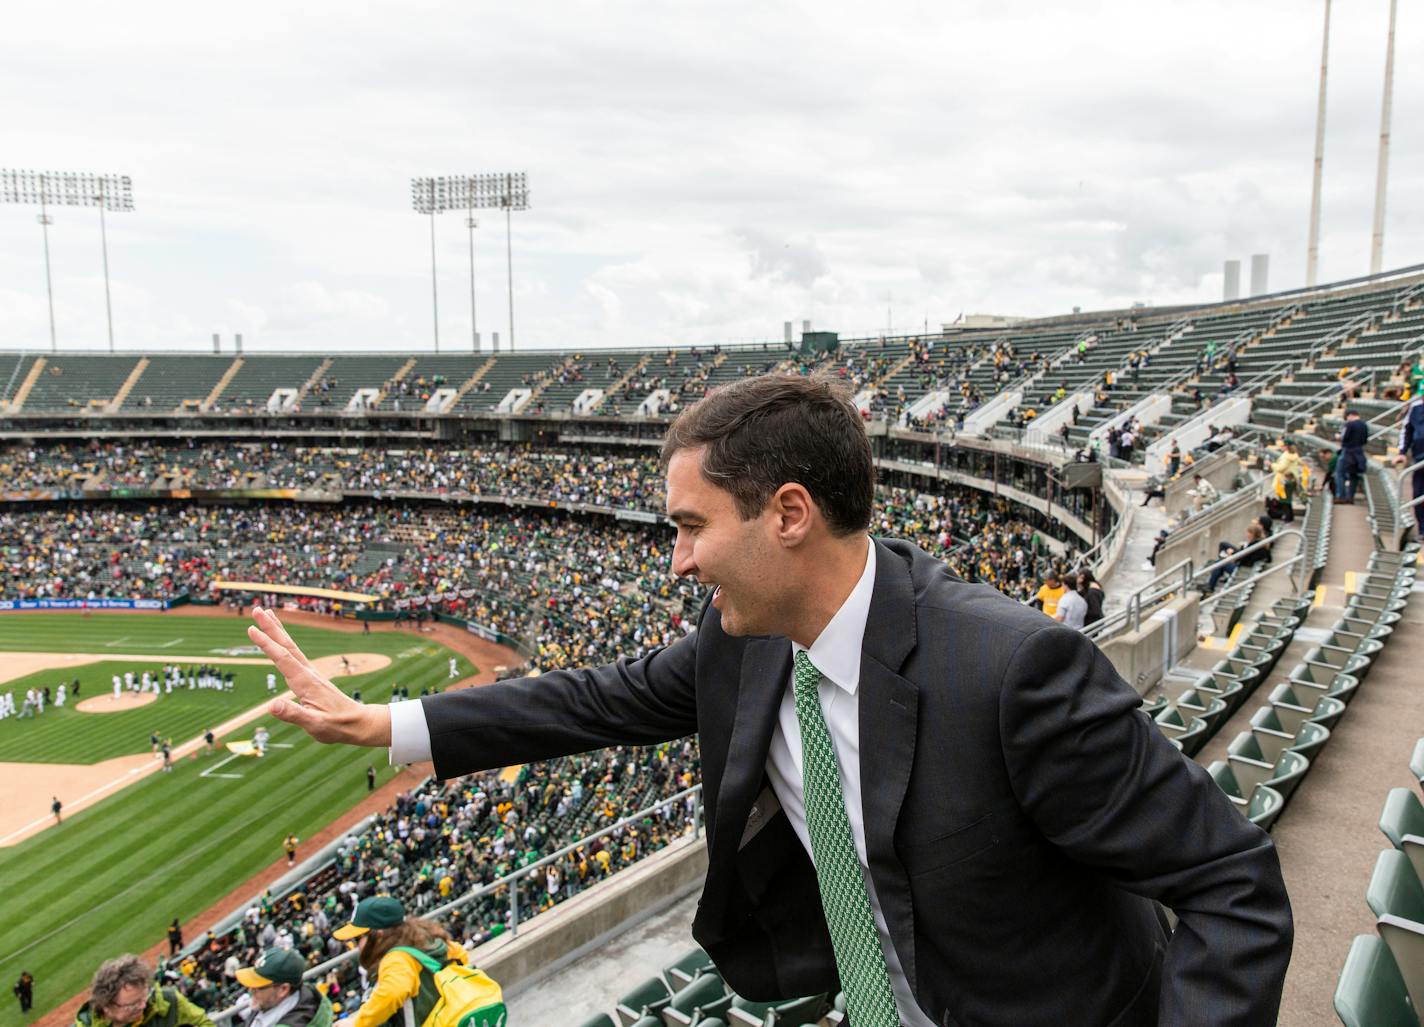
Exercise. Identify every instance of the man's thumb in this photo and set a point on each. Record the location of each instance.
(285, 709)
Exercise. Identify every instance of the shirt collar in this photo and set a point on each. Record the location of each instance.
(836, 651)
(275, 1014)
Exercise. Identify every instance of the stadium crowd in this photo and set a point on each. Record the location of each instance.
(443, 840)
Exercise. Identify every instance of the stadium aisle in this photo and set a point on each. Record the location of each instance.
(595, 981)
(1132, 571)
(1329, 837)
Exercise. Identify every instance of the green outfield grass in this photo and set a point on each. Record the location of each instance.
(110, 878)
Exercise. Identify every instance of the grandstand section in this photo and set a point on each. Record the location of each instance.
(517, 498)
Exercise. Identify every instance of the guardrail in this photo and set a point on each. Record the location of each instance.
(1154, 590)
(509, 881)
(1404, 519)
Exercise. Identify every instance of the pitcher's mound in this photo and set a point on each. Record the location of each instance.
(109, 704)
(358, 663)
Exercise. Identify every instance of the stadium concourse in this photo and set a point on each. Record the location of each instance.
(1183, 456)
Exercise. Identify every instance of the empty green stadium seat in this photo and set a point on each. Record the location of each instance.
(1266, 745)
(705, 997)
(1283, 775)
(1332, 682)
(1416, 762)
(1293, 708)
(1402, 822)
(1371, 992)
(1264, 807)
(648, 997)
(1190, 734)
(683, 971)
(601, 1020)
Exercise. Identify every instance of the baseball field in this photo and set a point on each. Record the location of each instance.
(139, 846)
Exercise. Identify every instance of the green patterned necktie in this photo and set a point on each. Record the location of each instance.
(859, 958)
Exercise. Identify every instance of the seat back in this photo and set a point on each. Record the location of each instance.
(1264, 807)
(1395, 888)
(1225, 777)
(700, 994)
(1402, 822)
(1371, 992)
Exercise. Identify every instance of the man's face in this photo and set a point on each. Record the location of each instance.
(266, 998)
(715, 546)
(128, 1005)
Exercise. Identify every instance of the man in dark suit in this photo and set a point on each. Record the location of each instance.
(917, 790)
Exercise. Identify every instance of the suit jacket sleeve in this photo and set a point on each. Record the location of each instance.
(636, 702)
(1102, 784)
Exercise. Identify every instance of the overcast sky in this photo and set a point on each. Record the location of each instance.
(699, 172)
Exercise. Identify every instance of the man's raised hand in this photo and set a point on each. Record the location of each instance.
(322, 710)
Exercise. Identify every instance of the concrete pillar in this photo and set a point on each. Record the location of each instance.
(1231, 285)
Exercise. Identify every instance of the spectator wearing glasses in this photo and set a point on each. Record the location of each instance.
(122, 994)
(276, 995)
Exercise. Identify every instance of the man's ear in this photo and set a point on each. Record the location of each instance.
(796, 513)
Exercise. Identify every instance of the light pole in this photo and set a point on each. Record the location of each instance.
(1382, 170)
(472, 223)
(1312, 248)
(69, 189)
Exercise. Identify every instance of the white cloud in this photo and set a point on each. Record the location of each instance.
(700, 172)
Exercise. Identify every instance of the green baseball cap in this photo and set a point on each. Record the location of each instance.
(379, 912)
(277, 966)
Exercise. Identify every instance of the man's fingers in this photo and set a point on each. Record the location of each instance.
(273, 628)
(276, 652)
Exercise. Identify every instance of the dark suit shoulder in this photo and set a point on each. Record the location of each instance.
(984, 608)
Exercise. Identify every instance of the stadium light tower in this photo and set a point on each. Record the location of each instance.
(69, 189)
(510, 192)
(1382, 172)
(507, 191)
(1312, 251)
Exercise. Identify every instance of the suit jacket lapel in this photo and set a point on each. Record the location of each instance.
(766, 667)
(889, 716)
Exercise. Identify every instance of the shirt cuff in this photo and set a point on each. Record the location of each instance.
(410, 735)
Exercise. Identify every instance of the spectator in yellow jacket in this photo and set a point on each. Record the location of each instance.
(381, 925)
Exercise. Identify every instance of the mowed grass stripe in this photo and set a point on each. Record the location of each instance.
(111, 877)
(145, 633)
(192, 853)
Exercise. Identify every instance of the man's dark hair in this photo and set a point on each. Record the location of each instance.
(762, 433)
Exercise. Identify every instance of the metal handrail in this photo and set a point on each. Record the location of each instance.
(1264, 543)
(1326, 392)
(510, 881)
(1132, 610)
(1400, 505)
(1216, 597)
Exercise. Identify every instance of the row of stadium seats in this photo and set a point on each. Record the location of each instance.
(1293, 355)
(1266, 764)
(1382, 982)
(690, 993)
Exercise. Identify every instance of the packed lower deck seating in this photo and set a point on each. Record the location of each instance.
(440, 841)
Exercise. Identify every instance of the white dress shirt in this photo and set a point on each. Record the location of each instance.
(836, 654)
(267, 1017)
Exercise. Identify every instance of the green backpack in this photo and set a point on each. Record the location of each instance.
(468, 996)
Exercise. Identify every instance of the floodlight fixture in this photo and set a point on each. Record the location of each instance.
(507, 191)
(47, 189)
